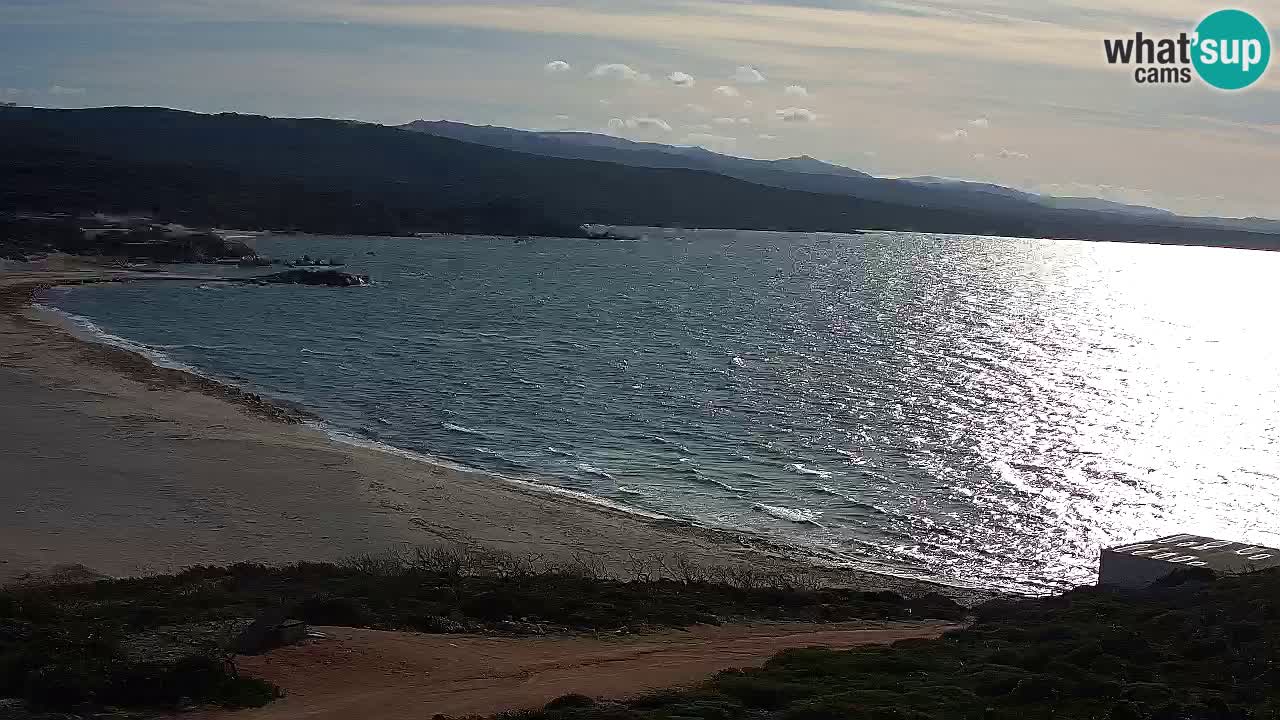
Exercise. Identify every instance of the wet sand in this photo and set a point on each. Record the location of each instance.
(111, 463)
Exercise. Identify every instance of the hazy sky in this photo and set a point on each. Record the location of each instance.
(1010, 91)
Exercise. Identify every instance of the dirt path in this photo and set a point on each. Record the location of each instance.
(389, 676)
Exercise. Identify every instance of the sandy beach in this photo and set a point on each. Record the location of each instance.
(124, 468)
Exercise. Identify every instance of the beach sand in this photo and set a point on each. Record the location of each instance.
(113, 464)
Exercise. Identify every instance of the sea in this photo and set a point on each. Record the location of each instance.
(981, 411)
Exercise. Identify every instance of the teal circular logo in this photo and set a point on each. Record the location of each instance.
(1232, 49)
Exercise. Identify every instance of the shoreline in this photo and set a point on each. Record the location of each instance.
(364, 498)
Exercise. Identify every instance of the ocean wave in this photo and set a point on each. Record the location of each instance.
(593, 470)
(461, 429)
(93, 332)
(854, 457)
(720, 484)
(800, 469)
(795, 515)
(561, 453)
(341, 436)
(196, 346)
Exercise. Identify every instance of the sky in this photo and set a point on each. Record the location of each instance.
(1015, 92)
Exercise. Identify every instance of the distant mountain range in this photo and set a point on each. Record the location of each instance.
(337, 176)
(803, 173)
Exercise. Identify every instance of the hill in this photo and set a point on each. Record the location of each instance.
(1194, 647)
(810, 174)
(347, 177)
(1191, 649)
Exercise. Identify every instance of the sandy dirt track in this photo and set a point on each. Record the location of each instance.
(402, 676)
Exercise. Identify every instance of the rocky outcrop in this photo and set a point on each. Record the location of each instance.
(327, 278)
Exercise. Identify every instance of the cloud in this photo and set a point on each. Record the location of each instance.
(747, 75)
(725, 121)
(727, 91)
(747, 104)
(620, 72)
(681, 79)
(700, 127)
(767, 136)
(715, 143)
(796, 91)
(979, 156)
(562, 118)
(953, 136)
(645, 123)
(604, 101)
(981, 123)
(557, 66)
(61, 90)
(616, 125)
(696, 108)
(796, 114)
(1012, 155)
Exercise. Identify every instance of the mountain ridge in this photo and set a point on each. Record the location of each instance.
(929, 191)
(348, 177)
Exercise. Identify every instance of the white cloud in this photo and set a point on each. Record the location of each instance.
(696, 108)
(727, 91)
(744, 121)
(616, 125)
(605, 102)
(981, 123)
(620, 72)
(61, 90)
(715, 143)
(795, 114)
(979, 156)
(681, 79)
(648, 123)
(557, 66)
(562, 118)
(725, 121)
(953, 136)
(747, 104)
(747, 75)
(767, 136)
(1012, 155)
(796, 91)
(700, 126)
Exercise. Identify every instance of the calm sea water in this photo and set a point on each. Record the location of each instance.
(978, 410)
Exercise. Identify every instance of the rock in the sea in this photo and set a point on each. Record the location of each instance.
(329, 278)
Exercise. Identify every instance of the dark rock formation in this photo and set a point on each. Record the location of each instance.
(328, 278)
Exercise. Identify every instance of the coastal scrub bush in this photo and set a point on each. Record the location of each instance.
(112, 642)
(65, 657)
(1198, 649)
